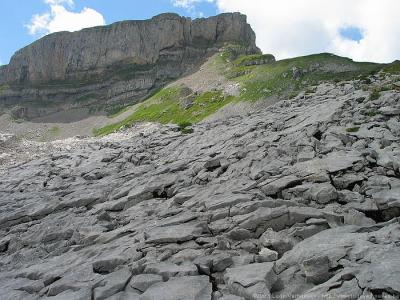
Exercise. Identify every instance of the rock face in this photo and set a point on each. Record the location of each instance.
(78, 55)
(226, 212)
(115, 64)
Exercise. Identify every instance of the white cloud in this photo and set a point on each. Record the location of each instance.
(59, 18)
(185, 3)
(290, 28)
(188, 4)
(60, 2)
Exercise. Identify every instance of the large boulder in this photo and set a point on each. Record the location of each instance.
(173, 234)
(252, 281)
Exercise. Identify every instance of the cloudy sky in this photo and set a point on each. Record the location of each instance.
(365, 30)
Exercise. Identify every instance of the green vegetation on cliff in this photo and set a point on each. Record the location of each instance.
(3, 88)
(172, 105)
(254, 59)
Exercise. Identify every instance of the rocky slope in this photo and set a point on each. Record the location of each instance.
(108, 67)
(296, 201)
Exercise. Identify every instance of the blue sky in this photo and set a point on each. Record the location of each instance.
(352, 33)
(14, 34)
(285, 28)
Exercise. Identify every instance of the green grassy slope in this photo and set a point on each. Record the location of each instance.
(166, 107)
(288, 77)
(284, 79)
(394, 67)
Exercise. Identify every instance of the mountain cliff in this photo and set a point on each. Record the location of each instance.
(114, 65)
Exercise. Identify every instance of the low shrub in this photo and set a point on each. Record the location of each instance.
(353, 129)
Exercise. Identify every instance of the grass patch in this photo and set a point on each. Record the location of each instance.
(17, 120)
(286, 77)
(115, 110)
(248, 60)
(231, 52)
(375, 94)
(164, 107)
(184, 127)
(120, 111)
(311, 90)
(3, 88)
(372, 113)
(353, 129)
(55, 130)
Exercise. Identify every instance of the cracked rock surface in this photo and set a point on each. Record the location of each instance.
(298, 201)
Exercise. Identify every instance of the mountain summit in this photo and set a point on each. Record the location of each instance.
(116, 64)
(166, 40)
